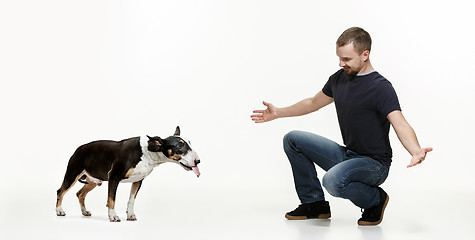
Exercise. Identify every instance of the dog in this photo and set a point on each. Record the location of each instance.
(129, 160)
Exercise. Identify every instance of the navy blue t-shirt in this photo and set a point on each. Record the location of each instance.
(363, 103)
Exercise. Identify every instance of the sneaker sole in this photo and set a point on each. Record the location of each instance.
(366, 223)
(320, 216)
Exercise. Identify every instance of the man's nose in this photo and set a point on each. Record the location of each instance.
(342, 64)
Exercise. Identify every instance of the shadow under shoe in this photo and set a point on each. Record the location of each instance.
(374, 215)
(319, 209)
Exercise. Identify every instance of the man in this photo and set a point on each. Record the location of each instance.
(366, 105)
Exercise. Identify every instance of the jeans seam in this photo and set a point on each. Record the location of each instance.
(318, 154)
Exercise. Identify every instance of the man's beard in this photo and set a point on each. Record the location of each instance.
(350, 72)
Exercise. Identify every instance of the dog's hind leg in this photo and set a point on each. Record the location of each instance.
(81, 194)
(69, 180)
(130, 205)
(74, 171)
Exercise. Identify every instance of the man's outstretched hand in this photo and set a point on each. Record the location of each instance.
(419, 157)
(261, 116)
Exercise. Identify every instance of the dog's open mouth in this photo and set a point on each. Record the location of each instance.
(195, 169)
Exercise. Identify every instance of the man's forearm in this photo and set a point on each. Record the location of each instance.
(301, 108)
(306, 106)
(408, 138)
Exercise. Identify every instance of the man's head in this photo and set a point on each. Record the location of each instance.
(353, 48)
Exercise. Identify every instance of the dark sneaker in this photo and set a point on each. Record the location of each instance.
(374, 215)
(320, 209)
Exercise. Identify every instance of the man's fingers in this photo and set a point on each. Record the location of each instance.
(257, 116)
(412, 164)
(261, 116)
(420, 158)
(424, 153)
(258, 119)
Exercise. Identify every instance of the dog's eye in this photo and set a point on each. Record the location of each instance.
(180, 145)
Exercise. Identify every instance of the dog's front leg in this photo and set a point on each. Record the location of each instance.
(111, 200)
(130, 205)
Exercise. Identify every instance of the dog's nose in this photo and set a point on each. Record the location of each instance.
(197, 161)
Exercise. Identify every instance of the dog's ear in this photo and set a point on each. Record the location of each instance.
(154, 144)
(177, 131)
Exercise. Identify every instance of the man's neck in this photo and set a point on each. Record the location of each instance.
(367, 68)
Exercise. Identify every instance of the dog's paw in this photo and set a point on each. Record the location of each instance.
(60, 212)
(131, 217)
(114, 218)
(86, 213)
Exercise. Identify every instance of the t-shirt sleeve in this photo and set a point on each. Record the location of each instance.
(328, 88)
(387, 99)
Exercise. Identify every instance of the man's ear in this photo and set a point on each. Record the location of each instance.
(365, 55)
(154, 144)
(177, 131)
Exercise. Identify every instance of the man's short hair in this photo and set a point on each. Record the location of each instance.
(358, 36)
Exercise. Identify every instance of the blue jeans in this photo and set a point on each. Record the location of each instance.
(348, 174)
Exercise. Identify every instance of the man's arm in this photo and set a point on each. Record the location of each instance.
(303, 107)
(408, 138)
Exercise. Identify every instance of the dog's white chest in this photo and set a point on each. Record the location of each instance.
(140, 171)
(143, 168)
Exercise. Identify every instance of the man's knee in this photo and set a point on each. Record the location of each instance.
(334, 184)
(289, 140)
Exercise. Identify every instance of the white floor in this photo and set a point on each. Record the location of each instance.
(170, 213)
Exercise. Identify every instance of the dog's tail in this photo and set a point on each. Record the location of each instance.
(82, 179)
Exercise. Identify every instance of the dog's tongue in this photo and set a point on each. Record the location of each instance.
(196, 170)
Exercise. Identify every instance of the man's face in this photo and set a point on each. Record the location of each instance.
(351, 62)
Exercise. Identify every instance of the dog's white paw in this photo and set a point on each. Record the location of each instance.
(86, 213)
(60, 212)
(131, 217)
(113, 216)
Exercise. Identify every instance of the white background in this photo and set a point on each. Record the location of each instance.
(76, 71)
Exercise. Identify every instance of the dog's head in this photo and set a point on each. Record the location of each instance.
(177, 149)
